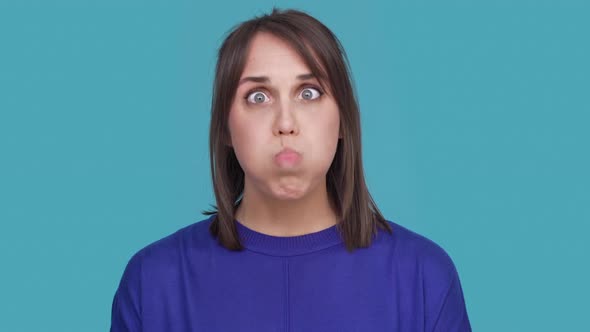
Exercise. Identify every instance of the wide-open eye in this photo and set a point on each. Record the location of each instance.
(310, 93)
(257, 97)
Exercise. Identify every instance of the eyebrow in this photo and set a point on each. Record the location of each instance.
(265, 79)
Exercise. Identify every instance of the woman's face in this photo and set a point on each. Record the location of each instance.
(279, 105)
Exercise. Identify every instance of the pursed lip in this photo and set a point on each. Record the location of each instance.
(287, 157)
(286, 151)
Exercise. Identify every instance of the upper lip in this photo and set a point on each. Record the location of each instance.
(287, 150)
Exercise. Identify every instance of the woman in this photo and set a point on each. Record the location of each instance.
(295, 242)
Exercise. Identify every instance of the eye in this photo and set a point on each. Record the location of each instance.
(257, 97)
(311, 93)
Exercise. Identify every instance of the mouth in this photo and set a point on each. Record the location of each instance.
(287, 157)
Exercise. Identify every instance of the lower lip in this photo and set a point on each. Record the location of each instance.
(287, 158)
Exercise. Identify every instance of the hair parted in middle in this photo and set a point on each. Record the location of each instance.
(323, 53)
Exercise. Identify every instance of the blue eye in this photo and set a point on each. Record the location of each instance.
(310, 93)
(257, 97)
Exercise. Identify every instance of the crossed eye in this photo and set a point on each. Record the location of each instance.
(259, 97)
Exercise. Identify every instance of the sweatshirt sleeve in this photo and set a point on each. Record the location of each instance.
(126, 305)
(444, 303)
(452, 316)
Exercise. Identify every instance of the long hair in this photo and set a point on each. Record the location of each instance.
(324, 55)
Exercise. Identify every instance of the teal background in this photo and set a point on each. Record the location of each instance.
(475, 134)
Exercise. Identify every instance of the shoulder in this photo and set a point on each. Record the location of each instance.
(167, 252)
(412, 250)
(422, 264)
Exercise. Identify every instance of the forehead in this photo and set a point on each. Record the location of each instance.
(270, 55)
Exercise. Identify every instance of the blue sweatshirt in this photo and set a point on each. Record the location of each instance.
(186, 281)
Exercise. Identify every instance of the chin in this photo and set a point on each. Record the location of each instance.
(288, 192)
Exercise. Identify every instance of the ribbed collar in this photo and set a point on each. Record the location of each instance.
(288, 245)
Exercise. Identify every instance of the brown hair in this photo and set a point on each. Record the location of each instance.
(324, 55)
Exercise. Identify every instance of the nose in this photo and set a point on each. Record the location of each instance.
(285, 122)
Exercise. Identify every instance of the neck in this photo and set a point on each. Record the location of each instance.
(288, 217)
